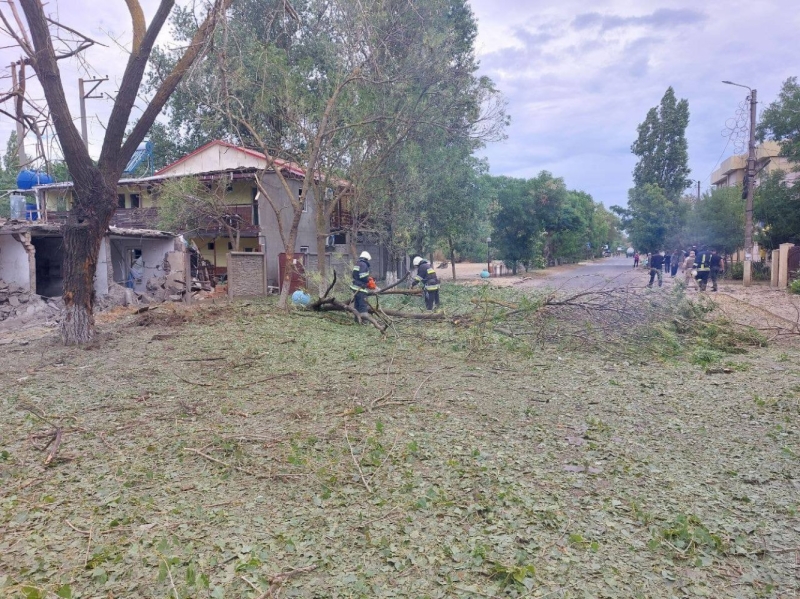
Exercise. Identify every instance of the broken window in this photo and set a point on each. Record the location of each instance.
(135, 200)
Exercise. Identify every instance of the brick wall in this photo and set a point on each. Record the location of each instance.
(247, 274)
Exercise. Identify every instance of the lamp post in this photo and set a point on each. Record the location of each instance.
(488, 255)
(750, 179)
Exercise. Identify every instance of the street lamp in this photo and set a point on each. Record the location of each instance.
(488, 255)
(750, 180)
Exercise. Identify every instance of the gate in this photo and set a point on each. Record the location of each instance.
(794, 262)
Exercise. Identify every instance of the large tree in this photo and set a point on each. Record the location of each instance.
(781, 120)
(717, 220)
(95, 183)
(777, 207)
(662, 149)
(343, 96)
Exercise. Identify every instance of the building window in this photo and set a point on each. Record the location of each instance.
(120, 200)
(230, 245)
(135, 203)
(210, 245)
(302, 199)
(248, 249)
(303, 249)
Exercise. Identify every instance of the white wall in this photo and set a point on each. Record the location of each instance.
(14, 265)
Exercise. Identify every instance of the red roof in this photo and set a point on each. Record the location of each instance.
(283, 164)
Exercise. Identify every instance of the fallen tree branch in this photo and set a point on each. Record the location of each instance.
(56, 444)
(277, 581)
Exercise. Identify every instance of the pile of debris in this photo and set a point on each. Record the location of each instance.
(18, 302)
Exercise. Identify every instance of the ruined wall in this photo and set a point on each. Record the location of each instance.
(247, 274)
(14, 264)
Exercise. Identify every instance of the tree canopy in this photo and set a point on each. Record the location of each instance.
(781, 120)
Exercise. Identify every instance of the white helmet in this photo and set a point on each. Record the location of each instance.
(416, 261)
(365, 255)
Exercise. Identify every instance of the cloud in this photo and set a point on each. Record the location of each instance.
(664, 17)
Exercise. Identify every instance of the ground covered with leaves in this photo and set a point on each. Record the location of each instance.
(236, 451)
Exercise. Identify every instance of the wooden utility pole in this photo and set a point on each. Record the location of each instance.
(85, 96)
(751, 180)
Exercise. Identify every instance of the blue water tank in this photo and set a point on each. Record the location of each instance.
(28, 178)
(31, 212)
(485, 274)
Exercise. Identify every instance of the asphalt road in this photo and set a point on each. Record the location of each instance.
(599, 274)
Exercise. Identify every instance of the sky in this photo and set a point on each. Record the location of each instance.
(578, 77)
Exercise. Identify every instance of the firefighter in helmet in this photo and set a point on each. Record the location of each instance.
(361, 283)
(426, 276)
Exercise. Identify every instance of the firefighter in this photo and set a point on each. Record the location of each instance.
(360, 283)
(426, 276)
(702, 264)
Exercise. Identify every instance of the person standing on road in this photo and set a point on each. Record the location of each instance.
(426, 276)
(636, 259)
(656, 268)
(717, 263)
(702, 264)
(688, 265)
(360, 283)
(667, 262)
(675, 263)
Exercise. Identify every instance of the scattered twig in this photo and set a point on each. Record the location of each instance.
(85, 533)
(193, 382)
(212, 359)
(220, 462)
(355, 461)
(171, 580)
(54, 450)
(277, 581)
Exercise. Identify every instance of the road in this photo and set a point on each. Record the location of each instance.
(597, 274)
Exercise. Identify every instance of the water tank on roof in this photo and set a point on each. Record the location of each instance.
(28, 178)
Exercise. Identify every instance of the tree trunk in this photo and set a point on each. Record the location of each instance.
(83, 234)
(288, 270)
(452, 257)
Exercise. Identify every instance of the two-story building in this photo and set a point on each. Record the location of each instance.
(768, 160)
(220, 164)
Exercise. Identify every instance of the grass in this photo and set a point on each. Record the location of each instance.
(208, 451)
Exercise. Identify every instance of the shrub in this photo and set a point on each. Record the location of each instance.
(794, 286)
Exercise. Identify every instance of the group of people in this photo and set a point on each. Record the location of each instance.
(698, 266)
(424, 276)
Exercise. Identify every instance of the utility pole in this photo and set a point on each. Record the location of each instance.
(698, 190)
(748, 207)
(750, 182)
(18, 84)
(86, 96)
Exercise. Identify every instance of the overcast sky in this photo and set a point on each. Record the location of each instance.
(578, 76)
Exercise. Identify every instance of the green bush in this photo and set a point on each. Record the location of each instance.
(759, 271)
(794, 286)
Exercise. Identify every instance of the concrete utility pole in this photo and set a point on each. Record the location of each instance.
(18, 84)
(698, 190)
(86, 96)
(750, 181)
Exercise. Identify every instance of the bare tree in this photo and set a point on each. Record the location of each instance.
(95, 184)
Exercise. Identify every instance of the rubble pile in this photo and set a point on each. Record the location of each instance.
(18, 302)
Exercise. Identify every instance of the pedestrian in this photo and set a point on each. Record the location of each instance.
(702, 264)
(360, 283)
(656, 268)
(426, 276)
(675, 262)
(636, 259)
(667, 262)
(717, 263)
(688, 266)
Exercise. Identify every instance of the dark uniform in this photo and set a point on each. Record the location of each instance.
(702, 263)
(426, 275)
(716, 268)
(656, 265)
(359, 285)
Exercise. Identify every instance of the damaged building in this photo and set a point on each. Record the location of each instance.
(133, 264)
